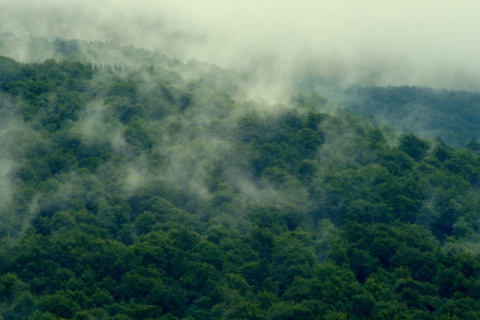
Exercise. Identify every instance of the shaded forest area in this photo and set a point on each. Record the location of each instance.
(141, 193)
(429, 113)
(452, 116)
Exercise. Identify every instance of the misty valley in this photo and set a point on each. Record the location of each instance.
(138, 186)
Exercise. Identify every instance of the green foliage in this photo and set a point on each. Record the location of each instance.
(142, 193)
(414, 147)
(450, 115)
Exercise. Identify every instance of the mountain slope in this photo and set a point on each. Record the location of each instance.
(450, 115)
(146, 192)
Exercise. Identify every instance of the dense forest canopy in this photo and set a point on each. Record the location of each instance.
(150, 191)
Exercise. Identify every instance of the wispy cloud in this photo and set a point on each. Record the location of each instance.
(383, 42)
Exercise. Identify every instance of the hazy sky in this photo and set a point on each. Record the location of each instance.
(422, 42)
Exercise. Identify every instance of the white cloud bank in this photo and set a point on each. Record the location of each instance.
(435, 43)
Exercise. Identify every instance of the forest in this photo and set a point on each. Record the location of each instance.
(151, 191)
(451, 115)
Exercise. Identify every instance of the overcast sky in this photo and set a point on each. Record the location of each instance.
(422, 42)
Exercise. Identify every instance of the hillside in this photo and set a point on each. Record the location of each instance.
(150, 192)
(450, 115)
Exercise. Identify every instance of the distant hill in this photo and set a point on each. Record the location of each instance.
(453, 116)
(35, 49)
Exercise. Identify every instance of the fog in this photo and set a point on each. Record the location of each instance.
(429, 43)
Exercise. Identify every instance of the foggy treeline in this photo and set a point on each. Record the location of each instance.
(135, 185)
